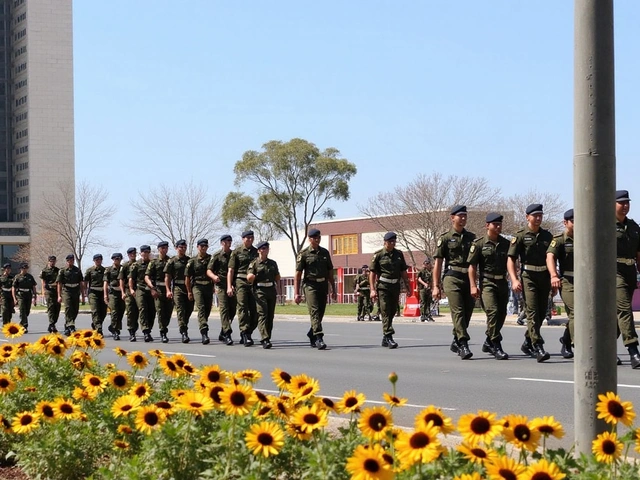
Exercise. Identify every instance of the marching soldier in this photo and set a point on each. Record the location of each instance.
(6, 283)
(131, 307)
(530, 246)
(200, 287)
(425, 283)
(227, 304)
(70, 288)
(142, 293)
(488, 259)
(174, 281)
(24, 287)
(113, 295)
(452, 254)
(94, 292)
(264, 275)
(315, 262)
(49, 276)
(154, 278)
(363, 291)
(237, 285)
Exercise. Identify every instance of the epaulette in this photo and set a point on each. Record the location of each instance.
(521, 230)
(559, 235)
(477, 239)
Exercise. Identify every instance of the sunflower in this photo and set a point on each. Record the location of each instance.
(25, 422)
(124, 429)
(613, 410)
(237, 399)
(281, 378)
(6, 357)
(140, 390)
(110, 367)
(13, 330)
(251, 376)
(5, 424)
(477, 453)
(468, 476)
(189, 369)
(80, 360)
(137, 360)
(281, 407)
(326, 403)
(121, 352)
(351, 402)
(46, 410)
(125, 405)
(18, 373)
(375, 422)
(156, 353)
(606, 447)
(543, 470)
(169, 367)
(297, 382)
(66, 409)
(149, 418)
(307, 391)
(636, 438)
(56, 349)
(96, 342)
(295, 431)
(262, 411)
(196, 403)
(212, 374)
(178, 392)
(547, 426)
(310, 418)
(119, 380)
(7, 384)
(93, 383)
(120, 445)
(369, 464)
(421, 446)
(83, 394)
(265, 439)
(394, 401)
(520, 433)
(179, 359)
(434, 416)
(480, 427)
(505, 468)
(214, 394)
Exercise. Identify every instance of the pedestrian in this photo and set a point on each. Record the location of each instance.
(627, 262)
(49, 276)
(6, 283)
(363, 291)
(113, 295)
(139, 289)
(264, 275)
(561, 252)
(131, 307)
(174, 281)
(24, 294)
(154, 278)
(315, 262)
(451, 256)
(237, 285)
(217, 271)
(94, 292)
(200, 287)
(488, 261)
(388, 268)
(425, 285)
(70, 288)
(530, 245)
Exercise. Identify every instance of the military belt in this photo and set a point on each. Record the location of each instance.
(493, 277)
(6, 289)
(242, 275)
(96, 289)
(71, 285)
(178, 282)
(315, 279)
(626, 261)
(364, 288)
(25, 290)
(535, 268)
(116, 289)
(264, 284)
(567, 274)
(460, 269)
(203, 282)
(388, 280)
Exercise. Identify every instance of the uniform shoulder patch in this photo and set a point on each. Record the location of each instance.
(514, 240)
(553, 243)
(473, 248)
(299, 258)
(439, 242)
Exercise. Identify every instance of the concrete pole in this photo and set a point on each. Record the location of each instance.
(594, 173)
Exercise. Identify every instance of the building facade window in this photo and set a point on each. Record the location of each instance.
(344, 244)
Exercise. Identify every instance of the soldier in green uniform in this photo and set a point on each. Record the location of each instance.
(451, 259)
(363, 291)
(264, 275)
(217, 272)
(530, 245)
(315, 262)
(174, 281)
(131, 307)
(425, 284)
(70, 288)
(94, 292)
(627, 261)
(49, 276)
(24, 293)
(113, 295)
(237, 285)
(488, 260)
(200, 287)
(139, 288)
(154, 278)
(388, 268)
(6, 283)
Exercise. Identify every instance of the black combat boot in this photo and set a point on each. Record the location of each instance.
(527, 348)
(463, 350)
(248, 341)
(487, 347)
(499, 353)
(565, 340)
(163, 336)
(312, 338)
(147, 336)
(388, 341)
(221, 336)
(185, 337)
(541, 354)
(227, 338)
(634, 355)
(52, 328)
(205, 336)
(455, 346)
(266, 344)
(320, 345)
(132, 335)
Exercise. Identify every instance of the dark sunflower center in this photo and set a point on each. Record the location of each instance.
(282, 409)
(615, 409)
(47, 411)
(94, 381)
(141, 392)
(213, 376)
(328, 402)
(478, 452)
(13, 330)
(188, 368)
(310, 419)
(434, 418)
(180, 363)
(371, 465)
(419, 440)
(151, 419)
(265, 438)
(480, 425)
(196, 405)
(138, 359)
(4, 383)
(215, 394)
(541, 476)
(126, 408)
(377, 422)
(262, 397)
(120, 381)
(546, 429)
(171, 366)
(507, 474)
(164, 405)
(522, 433)
(57, 349)
(609, 447)
(26, 420)
(264, 410)
(351, 402)
(66, 408)
(237, 399)
(285, 377)
(306, 391)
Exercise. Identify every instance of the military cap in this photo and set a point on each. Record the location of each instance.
(390, 236)
(314, 232)
(203, 241)
(24, 265)
(163, 244)
(365, 266)
(493, 217)
(69, 257)
(52, 257)
(116, 255)
(145, 248)
(568, 215)
(262, 245)
(226, 237)
(247, 233)
(534, 208)
(459, 209)
(181, 243)
(622, 196)
(6, 265)
(131, 250)
(97, 256)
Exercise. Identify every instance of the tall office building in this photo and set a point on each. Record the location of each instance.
(36, 113)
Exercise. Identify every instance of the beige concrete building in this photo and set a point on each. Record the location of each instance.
(36, 113)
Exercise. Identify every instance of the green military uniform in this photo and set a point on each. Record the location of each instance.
(453, 248)
(116, 300)
(49, 276)
(202, 288)
(144, 300)
(562, 248)
(24, 284)
(219, 264)
(628, 246)
(164, 305)
(317, 267)
(176, 268)
(6, 282)
(389, 266)
(131, 307)
(94, 281)
(363, 290)
(425, 294)
(266, 294)
(240, 260)
(70, 278)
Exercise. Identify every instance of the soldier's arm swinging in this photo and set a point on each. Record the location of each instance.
(373, 281)
(167, 284)
(516, 286)
(437, 278)
(473, 280)
(556, 282)
(296, 287)
(187, 284)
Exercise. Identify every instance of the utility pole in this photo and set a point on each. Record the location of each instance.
(594, 173)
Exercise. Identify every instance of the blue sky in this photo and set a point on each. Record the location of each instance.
(167, 91)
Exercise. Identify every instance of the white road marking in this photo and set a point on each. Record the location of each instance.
(545, 380)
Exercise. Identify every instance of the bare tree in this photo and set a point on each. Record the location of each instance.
(175, 212)
(513, 209)
(38, 252)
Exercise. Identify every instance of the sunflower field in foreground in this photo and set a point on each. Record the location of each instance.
(64, 415)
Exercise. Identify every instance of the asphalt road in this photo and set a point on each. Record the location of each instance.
(428, 372)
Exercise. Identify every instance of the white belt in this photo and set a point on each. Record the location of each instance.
(460, 269)
(319, 279)
(117, 289)
(203, 282)
(71, 285)
(388, 280)
(264, 284)
(178, 282)
(536, 268)
(96, 289)
(242, 275)
(567, 274)
(626, 261)
(6, 289)
(492, 276)
(25, 290)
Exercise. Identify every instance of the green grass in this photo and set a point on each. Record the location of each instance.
(337, 309)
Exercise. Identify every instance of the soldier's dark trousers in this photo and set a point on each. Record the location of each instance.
(389, 295)
(624, 294)
(203, 296)
(425, 302)
(495, 297)
(227, 306)
(7, 308)
(316, 296)
(146, 309)
(266, 306)
(71, 301)
(98, 309)
(24, 301)
(364, 302)
(566, 293)
(53, 307)
(535, 289)
(461, 303)
(117, 307)
(164, 309)
(184, 307)
(133, 314)
(246, 307)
